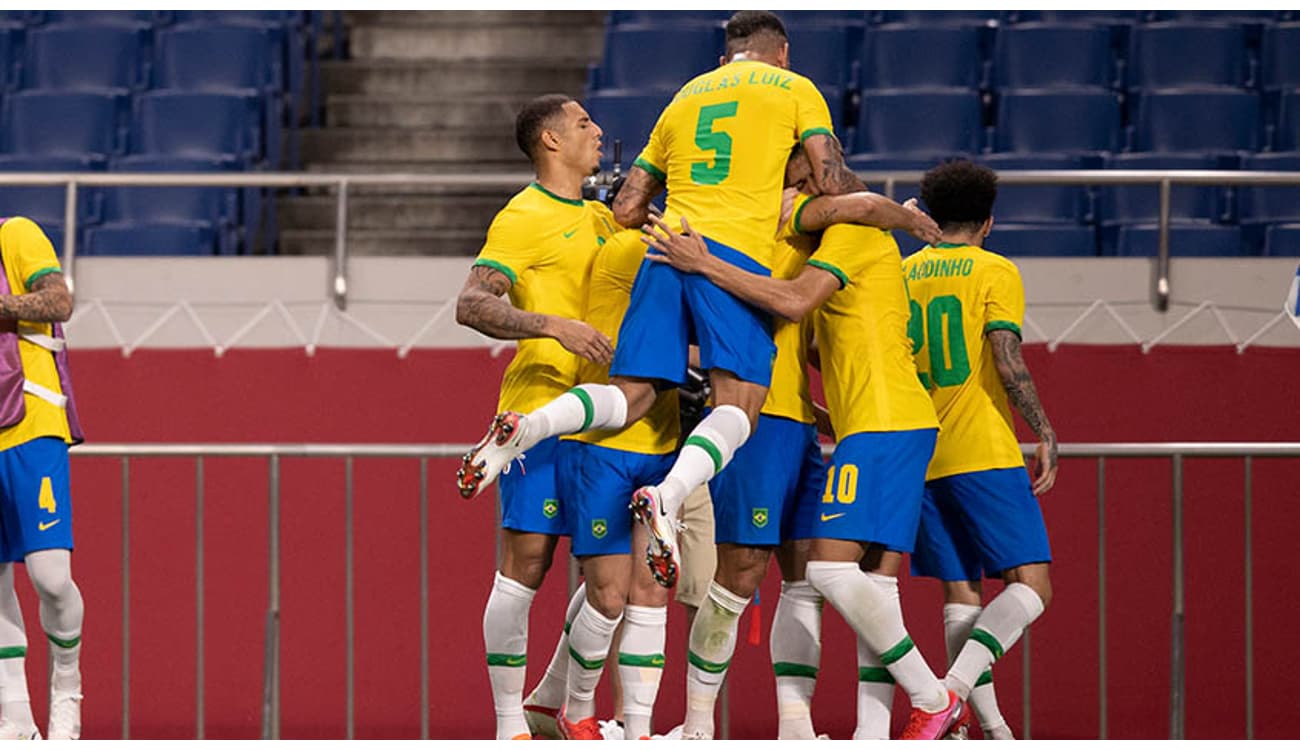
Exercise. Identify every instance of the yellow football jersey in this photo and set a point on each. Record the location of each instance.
(545, 244)
(608, 295)
(867, 366)
(721, 146)
(959, 293)
(788, 394)
(28, 255)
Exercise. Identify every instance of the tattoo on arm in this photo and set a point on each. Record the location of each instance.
(831, 173)
(49, 301)
(632, 204)
(481, 307)
(1020, 385)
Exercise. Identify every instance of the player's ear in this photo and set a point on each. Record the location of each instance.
(988, 226)
(784, 56)
(550, 140)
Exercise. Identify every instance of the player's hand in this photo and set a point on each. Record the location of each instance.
(582, 340)
(923, 227)
(685, 252)
(1044, 469)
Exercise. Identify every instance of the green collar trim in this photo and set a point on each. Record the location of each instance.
(572, 202)
(948, 245)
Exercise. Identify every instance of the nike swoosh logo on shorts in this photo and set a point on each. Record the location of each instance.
(831, 517)
(43, 526)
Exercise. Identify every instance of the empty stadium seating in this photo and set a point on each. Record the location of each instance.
(214, 208)
(1039, 55)
(1134, 204)
(626, 115)
(88, 125)
(1197, 120)
(1041, 204)
(1280, 57)
(823, 53)
(152, 239)
(1187, 241)
(936, 121)
(1283, 239)
(1287, 136)
(79, 57)
(1176, 54)
(922, 56)
(1057, 120)
(198, 124)
(10, 38)
(1052, 240)
(653, 57)
(1259, 204)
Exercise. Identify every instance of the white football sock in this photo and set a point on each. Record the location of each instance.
(641, 665)
(585, 407)
(589, 641)
(869, 604)
(998, 628)
(712, 644)
(958, 620)
(705, 453)
(875, 696)
(62, 612)
(796, 648)
(549, 693)
(15, 703)
(505, 636)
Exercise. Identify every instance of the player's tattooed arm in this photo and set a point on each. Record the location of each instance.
(49, 301)
(481, 307)
(869, 209)
(831, 175)
(1022, 393)
(632, 204)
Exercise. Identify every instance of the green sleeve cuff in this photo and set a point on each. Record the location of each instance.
(810, 132)
(43, 272)
(654, 171)
(828, 268)
(798, 227)
(1003, 325)
(496, 266)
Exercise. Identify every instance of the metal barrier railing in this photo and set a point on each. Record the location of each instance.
(1176, 452)
(341, 183)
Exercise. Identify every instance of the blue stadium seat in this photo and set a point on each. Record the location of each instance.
(74, 57)
(1280, 56)
(796, 18)
(1287, 136)
(1041, 204)
(1041, 55)
(260, 17)
(667, 17)
(1136, 204)
(1123, 17)
(46, 205)
(217, 208)
(103, 17)
(1261, 205)
(678, 54)
(1282, 240)
(1186, 240)
(822, 53)
(1197, 120)
(85, 125)
(1169, 55)
(628, 116)
(11, 36)
(1041, 240)
(1058, 120)
(1222, 16)
(197, 124)
(931, 17)
(922, 56)
(937, 121)
(207, 57)
(151, 239)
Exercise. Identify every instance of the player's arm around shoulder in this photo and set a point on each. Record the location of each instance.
(480, 306)
(46, 298)
(868, 209)
(1019, 384)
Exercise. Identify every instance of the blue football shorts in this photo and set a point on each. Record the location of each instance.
(979, 524)
(769, 492)
(873, 490)
(596, 483)
(35, 498)
(529, 500)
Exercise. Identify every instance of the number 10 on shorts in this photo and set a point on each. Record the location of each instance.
(844, 488)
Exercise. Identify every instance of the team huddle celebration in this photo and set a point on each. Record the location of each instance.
(657, 412)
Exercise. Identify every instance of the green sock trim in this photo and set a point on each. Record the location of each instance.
(13, 652)
(706, 666)
(588, 408)
(985, 679)
(708, 447)
(70, 643)
(791, 669)
(586, 663)
(899, 650)
(875, 674)
(567, 625)
(507, 660)
(654, 661)
(987, 639)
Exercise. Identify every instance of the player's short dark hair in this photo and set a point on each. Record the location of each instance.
(959, 193)
(536, 116)
(755, 30)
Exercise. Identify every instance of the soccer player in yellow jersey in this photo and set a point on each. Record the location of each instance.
(981, 516)
(885, 423)
(720, 148)
(539, 249)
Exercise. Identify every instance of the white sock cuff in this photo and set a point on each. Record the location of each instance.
(733, 603)
(511, 587)
(599, 622)
(575, 603)
(821, 570)
(604, 406)
(800, 592)
(645, 616)
(1026, 597)
(955, 612)
(887, 584)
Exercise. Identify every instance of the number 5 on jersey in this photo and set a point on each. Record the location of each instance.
(939, 329)
(709, 139)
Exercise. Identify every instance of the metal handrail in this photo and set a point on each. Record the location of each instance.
(1163, 179)
(273, 452)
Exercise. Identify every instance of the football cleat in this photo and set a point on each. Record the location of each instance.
(660, 553)
(583, 729)
(492, 455)
(65, 716)
(541, 722)
(923, 725)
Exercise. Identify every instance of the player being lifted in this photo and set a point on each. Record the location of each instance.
(720, 147)
(886, 428)
(980, 516)
(539, 249)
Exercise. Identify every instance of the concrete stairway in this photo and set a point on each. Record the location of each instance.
(431, 91)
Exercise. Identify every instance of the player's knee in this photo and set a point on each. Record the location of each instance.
(1035, 577)
(607, 599)
(52, 582)
(741, 569)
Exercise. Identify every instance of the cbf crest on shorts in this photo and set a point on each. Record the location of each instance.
(550, 507)
(759, 517)
(599, 528)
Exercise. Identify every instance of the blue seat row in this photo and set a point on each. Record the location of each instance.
(997, 17)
